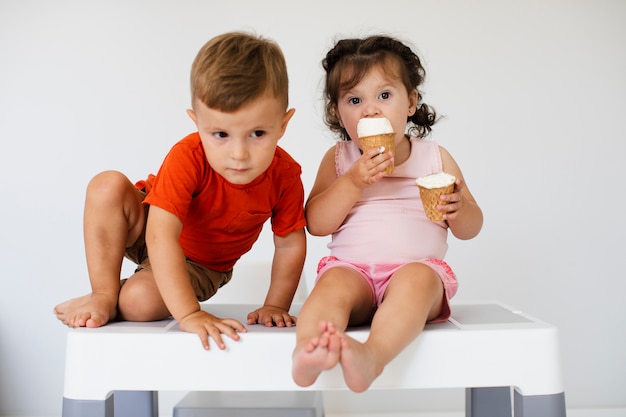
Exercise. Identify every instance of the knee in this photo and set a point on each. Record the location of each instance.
(344, 287)
(140, 303)
(419, 276)
(107, 186)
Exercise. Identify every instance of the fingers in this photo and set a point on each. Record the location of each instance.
(452, 203)
(253, 318)
(204, 339)
(220, 329)
(272, 318)
(371, 166)
(280, 320)
(235, 326)
(209, 327)
(227, 327)
(377, 159)
(372, 152)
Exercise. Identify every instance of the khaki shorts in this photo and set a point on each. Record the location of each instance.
(205, 281)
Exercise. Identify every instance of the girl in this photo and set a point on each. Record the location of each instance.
(386, 262)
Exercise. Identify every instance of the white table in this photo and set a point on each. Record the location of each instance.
(486, 348)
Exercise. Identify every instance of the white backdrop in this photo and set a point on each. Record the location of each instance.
(534, 97)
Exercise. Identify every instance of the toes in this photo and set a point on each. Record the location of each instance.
(95, 320)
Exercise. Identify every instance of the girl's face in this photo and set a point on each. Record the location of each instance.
(376, 95)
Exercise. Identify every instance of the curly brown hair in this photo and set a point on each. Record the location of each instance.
(349, 61)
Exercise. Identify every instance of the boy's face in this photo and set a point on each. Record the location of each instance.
(240, 145)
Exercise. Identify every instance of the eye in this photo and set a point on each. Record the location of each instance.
(385, 95)
(258, 133)
(354, 100)
(220, 135)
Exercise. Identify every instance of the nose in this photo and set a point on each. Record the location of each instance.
(371, 109)
(239, 149)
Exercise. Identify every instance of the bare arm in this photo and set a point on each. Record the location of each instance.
(289, 255)
(462, 213)
(170, 274)
(168, 263)
(332, 197)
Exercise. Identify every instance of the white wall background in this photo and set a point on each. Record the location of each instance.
(534, 98)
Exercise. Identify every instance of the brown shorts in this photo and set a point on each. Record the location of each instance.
(205, 281)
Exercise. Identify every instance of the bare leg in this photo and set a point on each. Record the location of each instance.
(339, 298)
(113, 219)
(413, 296)
(140, 299)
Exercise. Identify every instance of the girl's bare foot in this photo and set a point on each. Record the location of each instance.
(91, 310)
(318, 354)
(358, 363)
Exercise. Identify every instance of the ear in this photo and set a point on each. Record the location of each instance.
(192, 115)
(286, 118)
(413, 98)
(338, 116)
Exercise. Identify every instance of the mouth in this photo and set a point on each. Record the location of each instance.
(239, 170)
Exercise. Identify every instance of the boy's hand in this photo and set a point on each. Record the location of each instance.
(206, 325)
(271, 316)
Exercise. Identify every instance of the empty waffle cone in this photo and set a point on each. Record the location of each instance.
(376, 141)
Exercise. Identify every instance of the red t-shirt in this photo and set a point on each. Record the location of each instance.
(221, 221)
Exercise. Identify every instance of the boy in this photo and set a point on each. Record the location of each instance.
(205, 207)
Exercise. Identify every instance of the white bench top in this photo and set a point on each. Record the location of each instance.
(482, 345)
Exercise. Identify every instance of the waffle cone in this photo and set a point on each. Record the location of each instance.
(376, 141)
(430, 200)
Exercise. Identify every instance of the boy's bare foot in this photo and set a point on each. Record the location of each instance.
(358, 363)
(318, 354)
(91, 310)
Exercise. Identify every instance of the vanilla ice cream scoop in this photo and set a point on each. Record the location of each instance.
(438, 180)
(370, 126)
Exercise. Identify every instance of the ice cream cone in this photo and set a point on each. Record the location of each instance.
(431, 189)
(376, 141)
(376, 132)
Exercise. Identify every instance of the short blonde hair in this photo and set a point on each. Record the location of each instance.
(234, 68)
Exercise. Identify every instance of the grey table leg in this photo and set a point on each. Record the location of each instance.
(488, 402)
(88, 408)
(120, 404)
(540, 405)
(136, 404)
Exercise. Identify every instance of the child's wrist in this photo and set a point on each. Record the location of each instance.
(184, 316)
